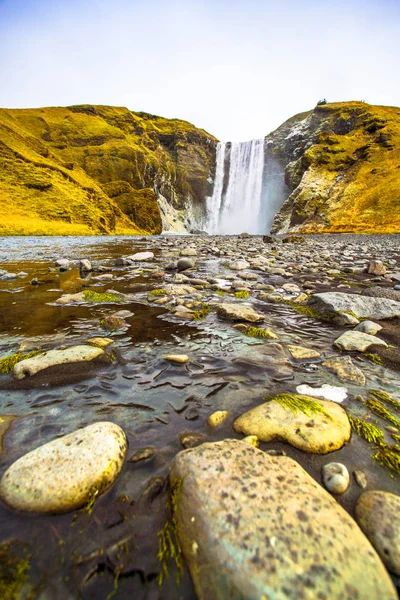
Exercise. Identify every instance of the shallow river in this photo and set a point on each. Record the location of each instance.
(111, 550)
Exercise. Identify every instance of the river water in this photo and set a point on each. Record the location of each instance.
(111, 551)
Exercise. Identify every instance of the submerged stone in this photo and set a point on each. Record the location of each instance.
(301, 353)
(317, 426)
(74, 354)
(256, 526)
(345, 370)
(5, 422)
(66, 473)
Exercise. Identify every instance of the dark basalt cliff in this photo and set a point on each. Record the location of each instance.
(342, 167)
(99, 169)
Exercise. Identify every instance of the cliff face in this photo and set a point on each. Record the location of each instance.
(342, 167)
(96, 169)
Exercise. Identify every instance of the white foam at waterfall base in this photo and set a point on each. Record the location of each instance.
(248, 189)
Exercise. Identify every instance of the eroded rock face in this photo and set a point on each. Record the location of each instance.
(378, 515)
(317, 434)
(258, 526)
(66, 473)
(366, 307)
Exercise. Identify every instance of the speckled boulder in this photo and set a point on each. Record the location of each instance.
(256, 526)
(66, 473)
(345, 369)
(316, 434)
(378, 515)
(357, 341)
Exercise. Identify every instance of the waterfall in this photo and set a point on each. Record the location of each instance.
(248, 189)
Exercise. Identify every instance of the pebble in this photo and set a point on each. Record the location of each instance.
(335, 477)
(217, 418)
(178, 358)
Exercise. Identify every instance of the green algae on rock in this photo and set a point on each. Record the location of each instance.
(368, 431)
(14, 570)
(256, 526)
(7, 363)
(314, 426)
(74, 354)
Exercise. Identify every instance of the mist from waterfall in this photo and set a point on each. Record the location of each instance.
(248, 190)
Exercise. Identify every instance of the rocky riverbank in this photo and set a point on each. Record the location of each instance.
(220, 382)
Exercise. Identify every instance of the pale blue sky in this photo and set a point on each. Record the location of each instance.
(237, 68)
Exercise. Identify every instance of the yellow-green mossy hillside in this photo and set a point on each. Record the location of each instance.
(343, 169)
(84, 170)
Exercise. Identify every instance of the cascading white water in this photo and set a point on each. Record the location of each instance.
(248, 189)
(236, 201)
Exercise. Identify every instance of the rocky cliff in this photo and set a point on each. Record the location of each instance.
(342, 167)
(96, 169)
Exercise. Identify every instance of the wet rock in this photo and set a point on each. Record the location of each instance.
(238, 265)
(357, 341)
(34, 281)
(100, 342)
(301, 353)
(172, 289)
(258, 526)
(74, 354)
(5, 423)
(62, 262)
(345, 370)
(142, 454)
(85, 265)
(177, 358)
(360, 478)
(376, 267)
(316, 433)
(191, 439)
(185, 263)
(140, 256)
(368, 327)
(71, 298)
(217, 418)
(293, 239)
(378, 515)
(335, 477)
(366, 307)
(252, 440)
(236, 312)
(188, 252)
(66, 473)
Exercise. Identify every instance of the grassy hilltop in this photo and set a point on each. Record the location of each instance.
(85, 170)
(342, 166)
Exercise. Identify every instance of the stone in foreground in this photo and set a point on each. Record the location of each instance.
(378, 515)
(366, 307)
(319, 433)
(357, 341)
(52, 358)
(235, 312)
(66, 473)
(259, 527)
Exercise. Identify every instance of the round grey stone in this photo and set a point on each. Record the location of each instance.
(335, 477)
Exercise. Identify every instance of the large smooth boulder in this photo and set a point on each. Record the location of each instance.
(365, 307)
(66, 473)
(357, 341)
(239, 312)
(52, 358)
(316, 432)
(256, 526)
(378, 515)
